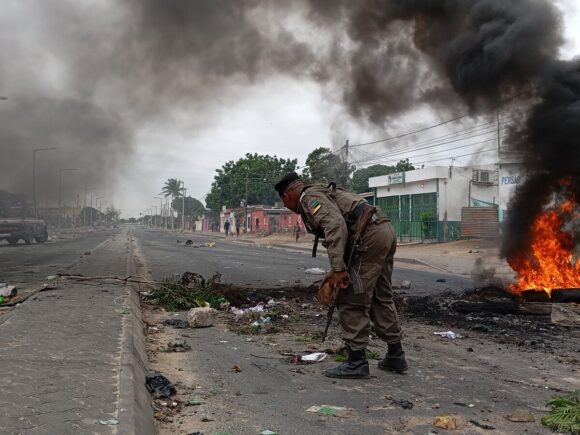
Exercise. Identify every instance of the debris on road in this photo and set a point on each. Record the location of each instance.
(109, 422)
(178, 346)
(176, 323)
(520, 416)
(268, 432)
(336, 411)
(159, 386)
(315, 271)
(565, 413)
(403, 403)
(262, 321)
(236, 369)
(189, 243)
(201, 317)
(189, 291)
(193, 402)
(482, 425)
(448, 334)
(243, 311)
(314, 357)
(122, 311)
(445, 422)
(8, 291)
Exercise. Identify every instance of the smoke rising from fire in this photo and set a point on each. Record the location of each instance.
(88, 76)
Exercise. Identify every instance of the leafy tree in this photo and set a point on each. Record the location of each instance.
(404, 165)
(360, 177)
(323, 166)
(258, 172)
(172, 188)
(193, 207)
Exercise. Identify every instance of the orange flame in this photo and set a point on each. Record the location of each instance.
(550, 262)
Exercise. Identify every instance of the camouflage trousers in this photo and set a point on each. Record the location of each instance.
(373, 262)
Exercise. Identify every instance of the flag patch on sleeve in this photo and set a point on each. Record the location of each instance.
(314, 206)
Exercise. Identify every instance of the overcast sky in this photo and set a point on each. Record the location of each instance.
(278, 116)
(284, 117)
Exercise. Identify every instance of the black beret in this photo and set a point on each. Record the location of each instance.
(286, 180)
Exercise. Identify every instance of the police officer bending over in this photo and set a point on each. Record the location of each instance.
(364, 287)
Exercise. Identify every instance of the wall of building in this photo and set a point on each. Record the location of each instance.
(510, 177)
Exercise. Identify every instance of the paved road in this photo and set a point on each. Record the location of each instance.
(60, 351)
(251, 265)
(30, 264)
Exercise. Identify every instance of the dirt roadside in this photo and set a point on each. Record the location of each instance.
(241, 380)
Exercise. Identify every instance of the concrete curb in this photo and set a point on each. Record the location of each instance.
(135, 411)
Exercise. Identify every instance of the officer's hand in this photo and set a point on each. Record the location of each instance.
(340, 279)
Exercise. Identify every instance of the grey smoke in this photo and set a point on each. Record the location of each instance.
(101, 71)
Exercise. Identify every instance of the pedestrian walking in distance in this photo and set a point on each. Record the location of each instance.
(297, 231)
(365, 293)
(238, 228)
(227, 227)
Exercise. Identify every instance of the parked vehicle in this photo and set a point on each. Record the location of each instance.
(14, 229)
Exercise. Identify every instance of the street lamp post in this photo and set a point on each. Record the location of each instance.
(88, 189)
(183, 206)
(160, 209)
(98, 203)
(60, 212)
(34, 151)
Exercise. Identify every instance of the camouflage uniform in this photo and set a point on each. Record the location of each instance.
(331, 213)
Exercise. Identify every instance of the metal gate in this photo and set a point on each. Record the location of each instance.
(480, 222)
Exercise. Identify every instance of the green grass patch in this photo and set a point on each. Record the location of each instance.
(174, 296)
(565, 413)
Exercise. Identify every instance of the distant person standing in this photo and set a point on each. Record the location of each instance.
(227, 227)
(238, 228)
(193, 226)
(297, 231)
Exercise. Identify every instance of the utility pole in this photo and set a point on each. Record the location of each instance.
(37, 150)
(60, 212)
(183, 206)
(246, 201)
(344, 177)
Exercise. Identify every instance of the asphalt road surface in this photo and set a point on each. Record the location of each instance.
(247, 264)
(27, 265)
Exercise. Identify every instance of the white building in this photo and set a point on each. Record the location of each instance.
(431, 203)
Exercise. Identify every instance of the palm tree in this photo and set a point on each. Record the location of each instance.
(172, 188)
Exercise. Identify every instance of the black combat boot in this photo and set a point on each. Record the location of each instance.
(394, 361)
(357, 367)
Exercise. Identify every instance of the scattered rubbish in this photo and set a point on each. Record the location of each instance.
(178, 346)
(565, 413)
(315, 271)
(176, 323)
(480, 328)
(198, 245)
(243, 311)
(520, 416)
(314, 357)
(441, 280)
(189, 291)
(122, 311)
(201, 317)
(337, 411)
(206, 419)
(405, 404)
(109, 422)
(482, 425)
(8, 291)
(405, 285)
(262, 321)
(268, 432)
(51, 277)
(236, 369)
(193, 402)
(445, 422)
(448, 334)
(159, 386)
